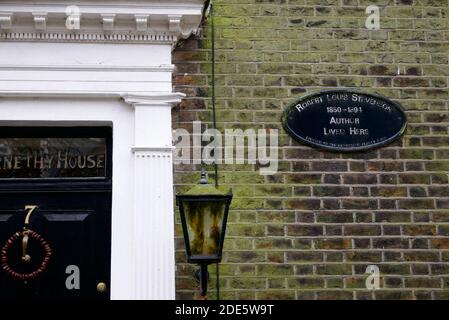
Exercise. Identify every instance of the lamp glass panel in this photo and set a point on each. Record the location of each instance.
(204, 225)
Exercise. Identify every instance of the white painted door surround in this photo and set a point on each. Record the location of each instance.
(115, 69)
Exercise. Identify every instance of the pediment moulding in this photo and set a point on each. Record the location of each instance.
(115, 21)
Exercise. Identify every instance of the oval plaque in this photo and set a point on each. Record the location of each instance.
(344, 121)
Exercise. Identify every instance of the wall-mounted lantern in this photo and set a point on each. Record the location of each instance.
(204, 213)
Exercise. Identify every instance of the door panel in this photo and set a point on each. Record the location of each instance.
(74, 218)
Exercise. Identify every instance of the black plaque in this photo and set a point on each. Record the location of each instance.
(344, 121)
(52, 158)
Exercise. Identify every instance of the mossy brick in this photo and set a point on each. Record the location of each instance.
(419, 230)
(276, 283)
(440, 216)
(305, 217)
(304, 269)
(333, 256)
(333, 230)
(305, 295)
(301, 191)
(359, 179)
(301, 81)
(385, 165)
(333, 244)
(426, 154)
(355, 282)
(271, 204)
(362, 204)
(263, 190)
(389, 191)
(439, 178)
(306, 283)
(322, 22)
(247, 283)
(246, 203)
(332, 283)
(420, 243)
(391, 269)
(328, 45)
(220, 68)
(242, 230)
(332, 166)
(392, 282)
(245, 256)
(437, 166)
(363, 256)
(273, 243)
(275, 257)
(420, 269)
(362, 230)
(391, 230)
(424, 282)
(302, 244)
(330, 191)
(417, 192)
(334, 269)
(236, 9)
(357, 166)
(361, 217)
(304, 256)
(242, 244)
(427, 256)
(274, 270)
(440, 269)
(330, 204)
(275, 230)
(436, 70)
(335, 217)
(302, 204)
(356, 81)
(440, 243)
(393, 295)
(441, 295)
(392, 217)
(332, 178)
(385, 203)
(390, 243)
(302, 57)
(364, 295)
(335, 295)
(416, 204)
(268, 92)
(276, 295)
(443, 230)
(414, 178)
(245, 269)
(305, 230)
(432, 93)
(275, 216)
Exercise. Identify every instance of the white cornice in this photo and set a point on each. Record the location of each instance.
(136, 100)
(87, 67)
(142, 100)
(130, 21)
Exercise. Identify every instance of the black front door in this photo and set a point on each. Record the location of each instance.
(55, 213)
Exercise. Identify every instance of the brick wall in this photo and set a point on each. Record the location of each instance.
(309, 231)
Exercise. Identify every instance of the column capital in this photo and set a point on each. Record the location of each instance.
(156, 99)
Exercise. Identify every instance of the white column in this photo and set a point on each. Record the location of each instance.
(153, 251)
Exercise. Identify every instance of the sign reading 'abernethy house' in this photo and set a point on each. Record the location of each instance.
(52, 157)
(344, 121)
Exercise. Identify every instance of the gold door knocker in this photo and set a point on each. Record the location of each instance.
(26, 257)
(25, 235)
